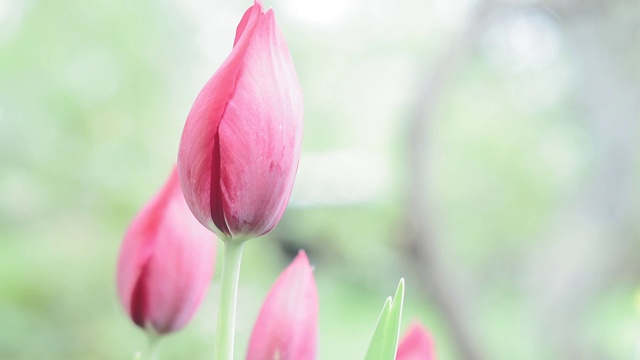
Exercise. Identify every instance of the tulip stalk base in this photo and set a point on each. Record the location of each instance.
(228, 299)
(153, 350)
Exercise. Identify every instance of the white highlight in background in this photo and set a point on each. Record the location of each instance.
(342, 177)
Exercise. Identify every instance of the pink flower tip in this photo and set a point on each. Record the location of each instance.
(166, 262)
(417, 344)
(287, 326)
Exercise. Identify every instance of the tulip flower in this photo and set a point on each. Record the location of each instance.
(165, 264)
(416, 345)
(287, 326)
(241, 142)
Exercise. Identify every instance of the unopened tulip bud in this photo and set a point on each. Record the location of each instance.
(287, 326)
(166, 262)
(416, 344)
(241, 142)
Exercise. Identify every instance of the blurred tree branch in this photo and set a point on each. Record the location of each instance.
(422, 243)
(608, 94)
(588, 248)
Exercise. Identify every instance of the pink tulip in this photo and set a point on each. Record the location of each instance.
(287, 326)
(416, 345)
(241, 142)
(166, 262)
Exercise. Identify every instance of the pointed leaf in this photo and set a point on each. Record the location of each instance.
(384, 342)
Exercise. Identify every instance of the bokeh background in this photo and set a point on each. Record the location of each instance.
(484, 150)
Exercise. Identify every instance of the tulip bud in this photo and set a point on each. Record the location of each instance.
(416, 345)
(241, 142)
(287, 326)
(166, 262)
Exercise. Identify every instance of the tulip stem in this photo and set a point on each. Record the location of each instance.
(153, 349)
(228, 299)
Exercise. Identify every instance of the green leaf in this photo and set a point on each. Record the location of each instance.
(384, 342)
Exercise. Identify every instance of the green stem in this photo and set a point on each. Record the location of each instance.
(228, 296)
(153, 349)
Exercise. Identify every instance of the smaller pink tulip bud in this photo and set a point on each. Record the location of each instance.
(287, 326)
(166, 262)
(416, 344)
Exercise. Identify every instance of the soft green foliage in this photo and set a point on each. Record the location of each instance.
(384, 342)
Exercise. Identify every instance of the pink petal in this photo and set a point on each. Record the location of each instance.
(260, 134)
(165, 263)
(252, 11)
(287, 326)
(416, 344)
(196, 161)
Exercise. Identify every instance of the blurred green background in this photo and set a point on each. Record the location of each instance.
(484, 150)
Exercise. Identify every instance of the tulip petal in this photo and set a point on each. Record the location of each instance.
(165, 263)
(198, 155)
(260, 134)
(287, 326)
(416, 344)
(257, 5)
